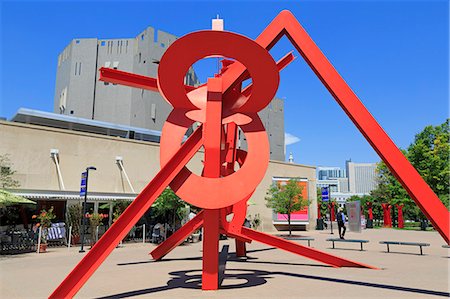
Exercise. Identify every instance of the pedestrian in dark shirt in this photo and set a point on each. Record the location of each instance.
(341, 223)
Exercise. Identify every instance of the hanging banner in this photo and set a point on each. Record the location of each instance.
(354, 216)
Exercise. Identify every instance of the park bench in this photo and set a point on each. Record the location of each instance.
(349, 241)
(309, 239)
(445, 246)
(405, 243)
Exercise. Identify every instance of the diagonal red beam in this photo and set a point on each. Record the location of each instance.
(286, 24)
(307, 252)
(178, 237)
(132, 80)
(94, 258)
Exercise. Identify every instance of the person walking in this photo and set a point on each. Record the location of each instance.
(341, 223)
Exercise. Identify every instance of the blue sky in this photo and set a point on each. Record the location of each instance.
(393, 54)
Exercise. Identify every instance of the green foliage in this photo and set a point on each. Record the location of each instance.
(6, 173)
(285, 199)
(169, 208)
(74, 218)
(118, 208)
(429, 154)
(323, 204)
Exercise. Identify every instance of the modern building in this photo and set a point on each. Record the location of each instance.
(325, 173)
(357, 179)
(79, 93)
(50, 151)
(361, 177)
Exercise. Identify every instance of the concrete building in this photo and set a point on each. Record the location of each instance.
(79, 93)
(361, 177)
(50, 155)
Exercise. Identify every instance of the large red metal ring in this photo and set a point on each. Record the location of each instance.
(214, 193)
(192, 47)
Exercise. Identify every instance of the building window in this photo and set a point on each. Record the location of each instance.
(77, 41)
(71, 111)
(142, 37)
(102, 43)
(163, 45)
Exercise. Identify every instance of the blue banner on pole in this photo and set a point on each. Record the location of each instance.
(83, 184)
(325, 194)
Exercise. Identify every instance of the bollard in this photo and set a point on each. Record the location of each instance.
(143, 233)
(70, 237)
(39, 239)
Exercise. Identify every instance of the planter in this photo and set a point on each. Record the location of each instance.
(75, 240)
(43, 248)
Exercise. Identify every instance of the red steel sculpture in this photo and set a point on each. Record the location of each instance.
(221, 106)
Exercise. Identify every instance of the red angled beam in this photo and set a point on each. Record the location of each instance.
(94, 258)
(307, 252)
(132, 80)
(178, 237)
(286, 24)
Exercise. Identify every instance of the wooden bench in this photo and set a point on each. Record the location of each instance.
(405, 243)
(309, 239)
(349, 241)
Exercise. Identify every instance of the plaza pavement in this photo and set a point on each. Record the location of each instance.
(129, 272)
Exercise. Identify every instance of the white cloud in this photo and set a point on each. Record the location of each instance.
(290, 139)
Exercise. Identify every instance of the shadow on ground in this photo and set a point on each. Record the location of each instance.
(240, 278)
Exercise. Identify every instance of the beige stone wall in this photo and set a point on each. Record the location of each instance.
(29, 149)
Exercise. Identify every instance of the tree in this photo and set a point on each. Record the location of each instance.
(169, 208)
(429, 154)
(285, 199)
(6, 173)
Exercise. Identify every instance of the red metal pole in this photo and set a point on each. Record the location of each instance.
(177, 237)
(212, 130)
(307, 252)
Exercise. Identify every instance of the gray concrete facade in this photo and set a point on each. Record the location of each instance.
(79, 93)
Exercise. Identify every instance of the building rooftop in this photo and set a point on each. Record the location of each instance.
(48, 119)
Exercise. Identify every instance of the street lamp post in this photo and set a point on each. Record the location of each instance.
(331, 207)
(84, 186)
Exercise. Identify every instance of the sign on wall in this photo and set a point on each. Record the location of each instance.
(354, 216)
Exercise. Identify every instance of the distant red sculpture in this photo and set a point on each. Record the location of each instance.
(221, 106)
(370, 210)
(387, 219)
(400, 221)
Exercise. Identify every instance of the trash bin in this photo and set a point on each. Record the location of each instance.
(319, 224)
(423, 224)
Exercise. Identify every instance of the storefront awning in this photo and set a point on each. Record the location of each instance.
(71, 195)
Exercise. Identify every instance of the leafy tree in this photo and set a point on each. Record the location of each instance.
(285, 199)
(6, 173)
(429, 154)
(169, 208)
